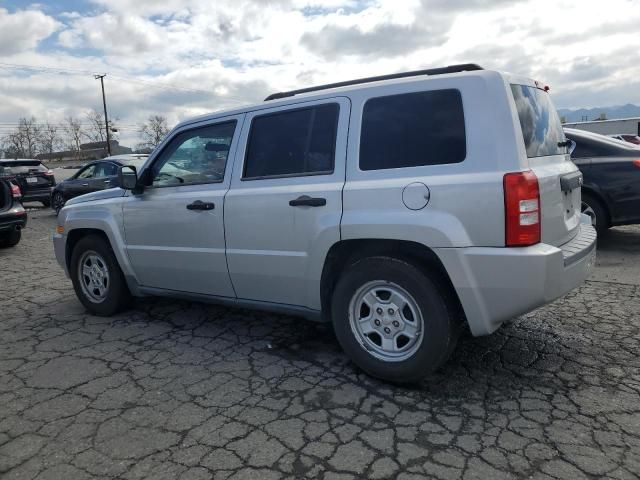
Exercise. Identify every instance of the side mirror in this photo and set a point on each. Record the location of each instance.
(127, 177)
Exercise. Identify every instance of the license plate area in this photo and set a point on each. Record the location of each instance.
(32, 179)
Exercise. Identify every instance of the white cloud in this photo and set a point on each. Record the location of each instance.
(229, 52)
(23, 30)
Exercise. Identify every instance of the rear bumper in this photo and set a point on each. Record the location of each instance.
(11, 221)
(497, 284)
(39, 195)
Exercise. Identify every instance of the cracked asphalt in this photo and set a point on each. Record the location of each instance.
(179, 390)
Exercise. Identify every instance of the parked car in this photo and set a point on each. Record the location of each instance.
(635, 139)
(402, 208)
(34, 179)
(13, 217)
(611, 170)
(94, 176)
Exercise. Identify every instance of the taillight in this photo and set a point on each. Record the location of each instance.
(637, 163)
(522, 209)
(15, 191)
(49, 173)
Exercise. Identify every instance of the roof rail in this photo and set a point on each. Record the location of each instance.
(464, 67)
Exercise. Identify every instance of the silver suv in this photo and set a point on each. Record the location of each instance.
(401, 208)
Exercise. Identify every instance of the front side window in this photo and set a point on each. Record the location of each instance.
(87, 172)
(195, 157)
(413, 130)
(292, 143)
(539, 121)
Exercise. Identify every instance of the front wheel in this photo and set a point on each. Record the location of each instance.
(395, 321)
(595, 210)
(57, 202)
(97, 278)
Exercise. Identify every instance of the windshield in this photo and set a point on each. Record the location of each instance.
(539, 121)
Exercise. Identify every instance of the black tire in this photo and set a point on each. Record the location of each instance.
(439, 313)
(594, 208)
(46, 203)
(10, 239)
(117, 295)
(57, 202)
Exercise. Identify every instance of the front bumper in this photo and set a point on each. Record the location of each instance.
(497, 284)
(60, 250)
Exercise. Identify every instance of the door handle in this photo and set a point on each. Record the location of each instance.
(85, 184)
(306, 200)
(107, 181)
(200, 205)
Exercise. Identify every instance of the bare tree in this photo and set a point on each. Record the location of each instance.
(73, 133)
(24, 140)
(50, 139)
(96, 132)
(153, 131)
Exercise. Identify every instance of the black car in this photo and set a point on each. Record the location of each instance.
(94, 176)
(611, 171)
(13, 217)
(34, 179)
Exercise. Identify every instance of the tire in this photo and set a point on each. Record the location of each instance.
(46, 203)
(410, 292)
(10, 239)
(99, 296)
(57, 202)
(594, 208)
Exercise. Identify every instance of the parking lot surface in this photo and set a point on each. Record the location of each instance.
(179, 390)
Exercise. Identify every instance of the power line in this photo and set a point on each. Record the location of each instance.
(164, 86)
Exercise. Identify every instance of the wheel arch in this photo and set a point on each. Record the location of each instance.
(596, 194)
(347, 252)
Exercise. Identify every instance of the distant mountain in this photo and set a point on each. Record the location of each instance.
(620, 111)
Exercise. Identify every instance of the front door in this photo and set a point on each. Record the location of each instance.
(174, 230)
(283, 210)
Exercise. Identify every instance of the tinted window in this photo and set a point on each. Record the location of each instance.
(105, 169)
(195, 156)
(539, 122)
(295, 142)
(413, 129)
(88, 172)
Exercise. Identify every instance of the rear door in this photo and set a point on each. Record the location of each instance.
(282, 213)
(559, 179)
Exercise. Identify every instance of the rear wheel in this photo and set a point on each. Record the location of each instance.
(593, 207)
(97, 278)
(394, 320)
(46, 203)
(10, 239)
(57, 202)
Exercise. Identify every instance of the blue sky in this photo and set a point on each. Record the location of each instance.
(180, 58)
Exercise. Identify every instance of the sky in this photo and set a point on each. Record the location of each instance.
(181, 58)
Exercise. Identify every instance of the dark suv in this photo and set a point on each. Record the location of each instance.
(13, 217)
(35, 180)
(611, 171)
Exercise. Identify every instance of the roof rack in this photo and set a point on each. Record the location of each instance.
(464, 67)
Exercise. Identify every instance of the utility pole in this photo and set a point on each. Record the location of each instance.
(104, 104)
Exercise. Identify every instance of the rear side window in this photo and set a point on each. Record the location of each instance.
(413, 130)
(539, 122)
(292, 143)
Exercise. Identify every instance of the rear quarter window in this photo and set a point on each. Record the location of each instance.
(413, 130)
(539, 122)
